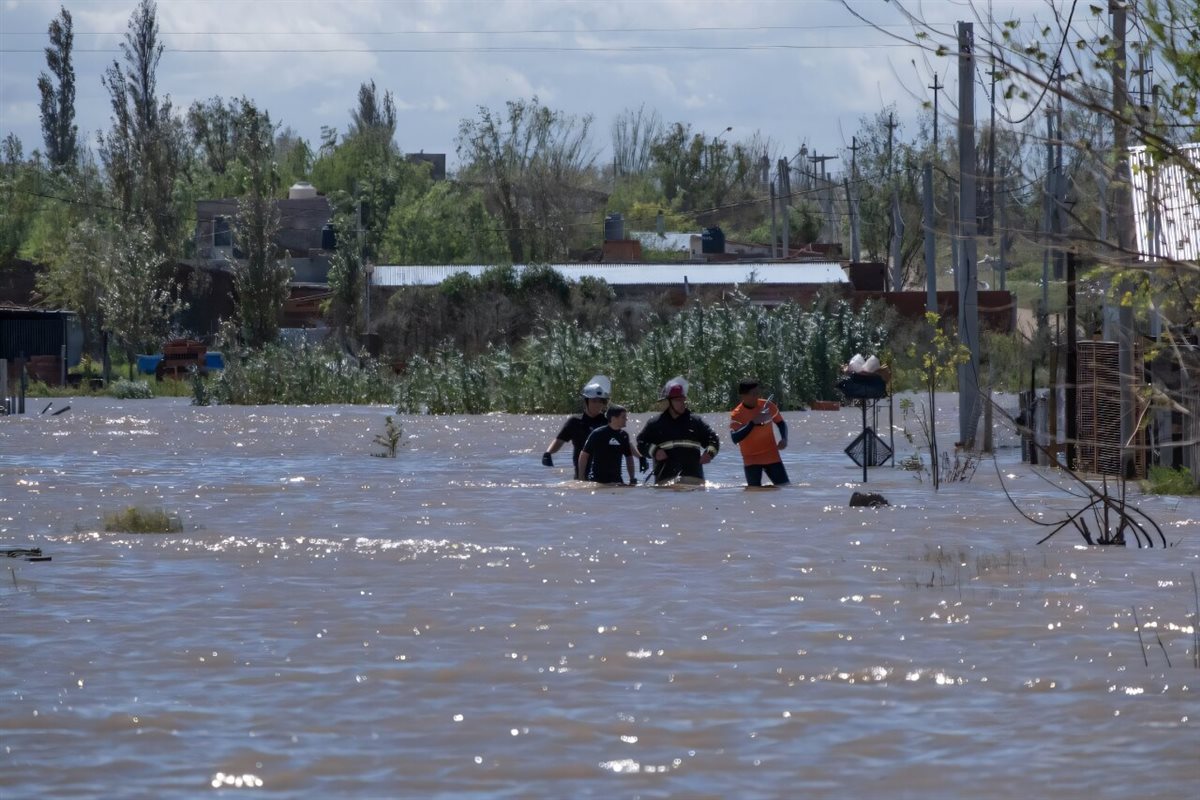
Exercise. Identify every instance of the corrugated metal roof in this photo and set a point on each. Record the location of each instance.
(814, 273)
(1168, 196)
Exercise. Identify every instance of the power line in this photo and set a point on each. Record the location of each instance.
(484, 32)
(655, 48)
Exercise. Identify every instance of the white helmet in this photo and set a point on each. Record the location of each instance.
(598, 388)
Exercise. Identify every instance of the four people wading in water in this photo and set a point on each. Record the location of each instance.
(677, 442)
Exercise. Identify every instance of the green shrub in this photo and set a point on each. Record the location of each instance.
(300, 375)
(131, 390)
(1166, 480)
(142, 520)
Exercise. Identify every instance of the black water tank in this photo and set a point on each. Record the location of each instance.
(712, 240)
(328, 237)
(614, 228)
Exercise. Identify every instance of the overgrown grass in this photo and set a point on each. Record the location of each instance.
(142, 520)
(1166, 480)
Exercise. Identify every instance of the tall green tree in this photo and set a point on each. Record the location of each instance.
(79, 279)
(261, 277)
(20, 185)
(696, 173)
(365, 173)
(443, 223)
(138, 303)
(144, 151)
(58, 94)
(535, 167)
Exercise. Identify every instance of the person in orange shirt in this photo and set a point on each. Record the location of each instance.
(750, 426)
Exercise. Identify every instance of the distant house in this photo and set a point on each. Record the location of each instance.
(305, 234)
(43, 337)
(436, 162)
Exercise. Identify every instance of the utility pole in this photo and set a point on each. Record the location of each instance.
(824, 194)
(785, 191)
(897, 219)
(1004, 238)
(1124, 219)
(936, 87)
(852, 201)
(990, 218)
(969, 402)
(774, 228)
(1047, 193)
(931, 305)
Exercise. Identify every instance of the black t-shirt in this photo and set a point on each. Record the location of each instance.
(606, 447)
(576, 430)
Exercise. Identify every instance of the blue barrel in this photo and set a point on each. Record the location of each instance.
(146, 365)
(213, 360)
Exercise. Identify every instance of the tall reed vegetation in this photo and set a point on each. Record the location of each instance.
(796, 352)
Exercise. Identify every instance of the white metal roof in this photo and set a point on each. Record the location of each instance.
(1167, 195)
(790, 273)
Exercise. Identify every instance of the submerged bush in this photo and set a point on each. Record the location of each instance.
(131, 390)
(142, 520)
(1166, 480)
(300, 375)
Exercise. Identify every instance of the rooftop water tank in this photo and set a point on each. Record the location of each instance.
(302, 190)
(712, 240)
(614, 228)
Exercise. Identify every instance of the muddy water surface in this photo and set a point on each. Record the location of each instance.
(463, 622)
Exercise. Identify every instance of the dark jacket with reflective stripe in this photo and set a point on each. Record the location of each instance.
(684, 439)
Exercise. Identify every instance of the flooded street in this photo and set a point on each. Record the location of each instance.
(464, 622)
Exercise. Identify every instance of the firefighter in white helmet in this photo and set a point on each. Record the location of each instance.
(595, 393)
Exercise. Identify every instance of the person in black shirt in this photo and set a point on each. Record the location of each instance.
(680, 443)
(577, 428)
(600, 460)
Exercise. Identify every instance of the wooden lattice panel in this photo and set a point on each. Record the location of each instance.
(1099, 410)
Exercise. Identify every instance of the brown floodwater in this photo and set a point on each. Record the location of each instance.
(464, 622)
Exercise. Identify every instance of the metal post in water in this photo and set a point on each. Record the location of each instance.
(968, 288)
(930, 240)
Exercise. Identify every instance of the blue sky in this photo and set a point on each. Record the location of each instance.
(795, 71)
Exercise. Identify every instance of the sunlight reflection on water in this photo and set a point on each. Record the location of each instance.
(460, 621)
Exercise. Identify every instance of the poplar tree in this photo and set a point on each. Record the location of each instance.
(58, 101)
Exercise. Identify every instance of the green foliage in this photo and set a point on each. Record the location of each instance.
(20, 182)
(145, 149)
(1165, 480)
(441, 223)
(142, 520)
(261, 278)
(201, 395)
(794, 351)
(123, 389)
(389, 440)
(804, 226)
(138, 302)
(535, 166)
(300, 375)
(366, 172)
(937, 354)
(696, 173)
(471, 314)
(58, 94)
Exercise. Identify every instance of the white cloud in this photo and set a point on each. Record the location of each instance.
(706, 65)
